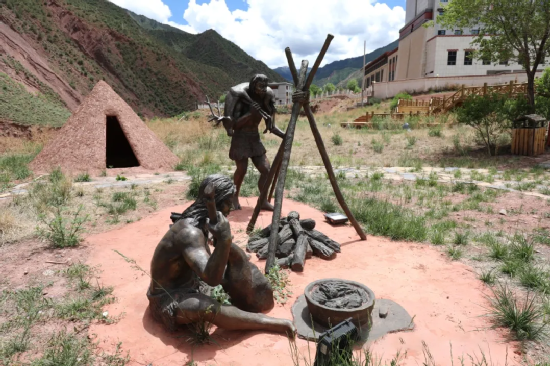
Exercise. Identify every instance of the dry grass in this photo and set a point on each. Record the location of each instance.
(196, 142)
(13, 145)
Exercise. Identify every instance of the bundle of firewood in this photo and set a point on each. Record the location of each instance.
(297, 241)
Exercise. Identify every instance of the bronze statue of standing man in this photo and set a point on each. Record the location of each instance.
(246, 105)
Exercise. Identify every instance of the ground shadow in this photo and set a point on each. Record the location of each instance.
(221, 339)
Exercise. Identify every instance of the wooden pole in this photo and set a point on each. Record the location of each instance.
(280, 186)
(331, 176)
(263, 194)
(275, 179)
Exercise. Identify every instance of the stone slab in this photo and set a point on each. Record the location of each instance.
(397, 319)
(409, 176)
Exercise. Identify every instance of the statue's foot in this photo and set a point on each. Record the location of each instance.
(267, 206)
(236, 204)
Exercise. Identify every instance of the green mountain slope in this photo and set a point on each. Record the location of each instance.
(337, 71)
(18, 105)
(212, 49)
(157, 69)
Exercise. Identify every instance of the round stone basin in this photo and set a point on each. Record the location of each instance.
(331, 301)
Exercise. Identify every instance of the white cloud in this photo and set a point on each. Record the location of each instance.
(154, 9)
(267, 26)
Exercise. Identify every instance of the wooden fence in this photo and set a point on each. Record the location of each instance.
(437, 105)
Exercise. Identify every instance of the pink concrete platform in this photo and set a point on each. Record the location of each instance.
(445, 298)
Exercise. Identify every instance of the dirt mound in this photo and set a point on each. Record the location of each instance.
(9, 129)
(103, 133)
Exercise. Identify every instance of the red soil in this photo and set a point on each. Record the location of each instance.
(445, 298)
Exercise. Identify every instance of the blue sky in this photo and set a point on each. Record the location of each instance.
(263, 28)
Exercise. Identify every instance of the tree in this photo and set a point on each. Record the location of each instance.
(489, 118)
(329, 87)
(222, 98)
(543, 84)
(543, 97)
(517, 30)
(314, 90)
(352, 85)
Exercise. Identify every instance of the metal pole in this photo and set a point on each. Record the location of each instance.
(363, 73)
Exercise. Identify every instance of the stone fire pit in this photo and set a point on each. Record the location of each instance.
(327, 302)
(331, 301)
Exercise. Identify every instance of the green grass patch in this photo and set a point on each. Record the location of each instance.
(198, 174)
(20, 106)
(461, 238)
(83, 177)
(386, 219)
(454, 252)
(487, 277)
(534, 277)
(542, 236)
(524, 318)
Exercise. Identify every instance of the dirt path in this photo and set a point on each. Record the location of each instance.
(445, 298)
(444, 175)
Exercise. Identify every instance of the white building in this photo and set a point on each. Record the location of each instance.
(433, 51)
(283, 92)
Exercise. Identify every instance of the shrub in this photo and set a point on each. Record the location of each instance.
(524, 318)
(337, 139)
(435, 132)
(62, 231)
(411, 141)
(83, 177)
(377, 146)
(487, 115)
(374, 100)
(397, 97)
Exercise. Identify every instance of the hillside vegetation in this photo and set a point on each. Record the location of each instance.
(20, 106)
(157, 69)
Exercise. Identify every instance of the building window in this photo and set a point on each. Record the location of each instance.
(382, 76)
(468, 55)
(475, 31)
(441, 11)
(486, 61)
(451, 57)
(441, 32)
(458, 32)
(504, 62)
(444, 1)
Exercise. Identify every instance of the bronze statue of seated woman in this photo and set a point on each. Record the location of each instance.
(183, 269)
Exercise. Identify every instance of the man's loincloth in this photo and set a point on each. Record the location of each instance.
(246, 144)
(164, 305)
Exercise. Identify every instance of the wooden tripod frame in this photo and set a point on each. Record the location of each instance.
(279, 167)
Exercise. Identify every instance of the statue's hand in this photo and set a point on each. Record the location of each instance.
(221, 230)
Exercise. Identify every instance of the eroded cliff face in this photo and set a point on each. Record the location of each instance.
(16, 50)
(62, 48)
